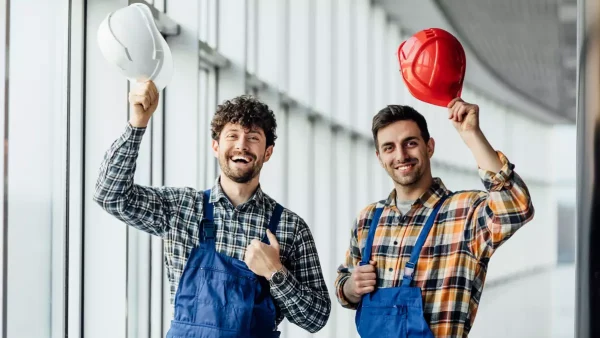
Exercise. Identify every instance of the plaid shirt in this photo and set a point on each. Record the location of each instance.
(174, 215)
(452, 266)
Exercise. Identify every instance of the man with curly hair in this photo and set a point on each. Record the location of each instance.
(237, 261)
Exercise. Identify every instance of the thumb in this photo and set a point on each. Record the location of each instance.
(272, 239)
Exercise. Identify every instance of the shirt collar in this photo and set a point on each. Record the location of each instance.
(428, 199)
(217, 194)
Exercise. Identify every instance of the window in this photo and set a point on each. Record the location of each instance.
(362, 93)
(343, 108)
(36, 150)
(325, 216)
(325, 55)
(274, 178)
(299, 46)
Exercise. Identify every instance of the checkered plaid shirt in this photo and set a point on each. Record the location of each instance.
(452, 266)
(174, 215)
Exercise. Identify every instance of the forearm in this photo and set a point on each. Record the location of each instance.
(302, 305)
(139, 121)
(145, 208)
(351, 261)
(502, 210)
(484, 154)
(302, 296)
(117, 170)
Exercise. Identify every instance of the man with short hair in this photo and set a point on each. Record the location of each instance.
(417, 261)
(238, 262)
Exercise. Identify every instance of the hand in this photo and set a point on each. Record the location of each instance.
(144, 100)
(464, 116)
(362, 281)
(263, 259)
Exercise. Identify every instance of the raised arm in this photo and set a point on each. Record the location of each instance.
(507, 205)
(145, 208)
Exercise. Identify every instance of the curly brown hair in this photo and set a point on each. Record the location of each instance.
(247, 111)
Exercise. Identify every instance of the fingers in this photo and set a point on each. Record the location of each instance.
(458, 110)
(461, 112)
(272, 239)
(365, 268)
(451, 104)
(145, 94)
(366, 276)
(365, 290)
(366, 283)
(152, 87)
(141, 100)
(151, 95)
(363, 283)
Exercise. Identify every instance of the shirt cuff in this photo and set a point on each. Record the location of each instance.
(500, 180)
(344, 302)
(134, 133)
(285, 291)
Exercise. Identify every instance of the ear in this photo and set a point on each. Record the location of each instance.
(268, 153)
(430, 147)
(215, 148)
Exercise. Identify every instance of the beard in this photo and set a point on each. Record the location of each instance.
(412, 177)
(240, 172)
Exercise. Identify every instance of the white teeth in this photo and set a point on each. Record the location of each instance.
(235, 158)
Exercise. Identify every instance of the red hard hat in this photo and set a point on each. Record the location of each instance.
(433, 64)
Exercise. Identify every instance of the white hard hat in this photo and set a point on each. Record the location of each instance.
(129, 39)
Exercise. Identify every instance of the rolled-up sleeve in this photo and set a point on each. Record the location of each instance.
(503, 210)
(352, 258)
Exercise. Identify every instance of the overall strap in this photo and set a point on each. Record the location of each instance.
(273, 222)
(409, 268)
(207, 225)
(366, 255)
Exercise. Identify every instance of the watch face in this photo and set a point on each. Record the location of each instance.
(278, 277)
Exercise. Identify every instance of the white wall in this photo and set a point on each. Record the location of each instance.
(334, 58)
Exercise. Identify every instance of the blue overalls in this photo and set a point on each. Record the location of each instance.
(398, 311)
(218, 296)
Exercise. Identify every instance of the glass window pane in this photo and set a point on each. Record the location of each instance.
(36, 151)
(323, 54)
(300, 47)
(362, 68)
(343, 51)
(271, 41)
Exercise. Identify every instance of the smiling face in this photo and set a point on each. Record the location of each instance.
(403, 152)
(241, 152)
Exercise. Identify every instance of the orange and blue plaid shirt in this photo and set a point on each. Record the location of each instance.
(452, 266)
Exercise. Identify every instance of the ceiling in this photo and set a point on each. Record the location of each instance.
(520, 52)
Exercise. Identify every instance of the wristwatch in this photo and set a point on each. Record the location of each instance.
(278, 277)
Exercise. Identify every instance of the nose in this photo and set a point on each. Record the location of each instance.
(401, 154)
(241, 144)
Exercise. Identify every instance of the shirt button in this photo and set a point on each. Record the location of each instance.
(395, 242)
(391, 269)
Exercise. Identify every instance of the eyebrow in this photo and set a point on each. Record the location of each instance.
(252, 131)
(410, 138)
